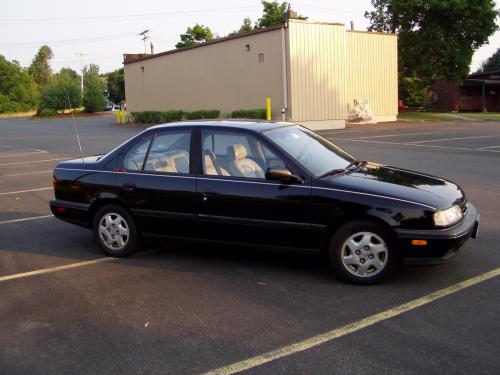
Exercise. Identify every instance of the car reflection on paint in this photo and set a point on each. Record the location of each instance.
(264, 183)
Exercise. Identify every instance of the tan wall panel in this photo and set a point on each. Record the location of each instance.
(222, 76)
(317, 71)
(372, 71)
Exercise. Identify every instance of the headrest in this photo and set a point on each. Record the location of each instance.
(237, 152)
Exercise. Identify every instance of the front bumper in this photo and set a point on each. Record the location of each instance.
(442, 244)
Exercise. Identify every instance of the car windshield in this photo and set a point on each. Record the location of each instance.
(315, 153)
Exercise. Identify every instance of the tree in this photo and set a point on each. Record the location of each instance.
(273, 13)
(491, 64)
(196, 34)
(115, 84)
(40, 66)
(246, 26)
(18, 91)
(62, 92)
(93, 90)
(436, 38)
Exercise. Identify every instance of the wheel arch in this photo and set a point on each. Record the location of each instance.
(101, 202)
(336, 223)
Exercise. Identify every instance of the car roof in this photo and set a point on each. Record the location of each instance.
(257, 126)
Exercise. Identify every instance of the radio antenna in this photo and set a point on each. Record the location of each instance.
(76, 129)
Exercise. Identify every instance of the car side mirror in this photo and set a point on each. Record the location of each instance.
(282, 175)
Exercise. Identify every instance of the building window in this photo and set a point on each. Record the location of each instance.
(261, 57)
(465, 92)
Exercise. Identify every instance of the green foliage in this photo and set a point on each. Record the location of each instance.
(157, 117)
(273, 13)
(93, 90)
(245, 27)
(40, 66)
(196, 34)
(202, 114)
(249, 113)
(436, 38)
(47, 112)
(55, 94)
(18, 91)
(116, 85)
(413, 91)
(491, 64)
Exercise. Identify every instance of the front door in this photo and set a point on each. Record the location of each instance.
(236, 201)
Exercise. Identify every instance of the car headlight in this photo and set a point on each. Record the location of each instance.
(448, 217)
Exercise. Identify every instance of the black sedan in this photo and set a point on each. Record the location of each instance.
(264, 183)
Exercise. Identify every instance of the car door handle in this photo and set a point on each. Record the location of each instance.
(210, 193)
(129, 186)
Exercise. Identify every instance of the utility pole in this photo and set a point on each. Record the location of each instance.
(81, 54)
(144, 38)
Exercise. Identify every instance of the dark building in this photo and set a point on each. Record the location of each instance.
(480, 92)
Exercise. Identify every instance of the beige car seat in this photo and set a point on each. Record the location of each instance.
(176, 161)
(211, 168)
(241, 166)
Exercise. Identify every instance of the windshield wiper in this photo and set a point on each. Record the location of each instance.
(352, 166)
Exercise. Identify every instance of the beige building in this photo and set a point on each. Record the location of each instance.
(312, 71)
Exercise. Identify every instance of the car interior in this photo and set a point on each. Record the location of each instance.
(224, 154)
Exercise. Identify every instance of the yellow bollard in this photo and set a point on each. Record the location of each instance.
(268, 108)
(123, 116)
(118, 116)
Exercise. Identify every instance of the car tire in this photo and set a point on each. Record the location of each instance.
(363, 252)
(115, 231)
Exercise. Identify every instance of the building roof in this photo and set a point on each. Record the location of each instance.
(129, 58)
(493, 74)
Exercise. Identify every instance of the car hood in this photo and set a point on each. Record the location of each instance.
(400, 183)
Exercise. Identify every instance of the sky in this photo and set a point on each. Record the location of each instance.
(102, 30)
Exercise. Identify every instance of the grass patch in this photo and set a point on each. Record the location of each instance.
(17, 114)
(423, 116)
(482, 116)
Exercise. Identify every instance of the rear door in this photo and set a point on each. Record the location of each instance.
(240, 204)
(159, 184)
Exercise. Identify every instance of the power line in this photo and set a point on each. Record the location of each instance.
(129, 16)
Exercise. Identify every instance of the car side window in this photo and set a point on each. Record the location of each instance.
(134, 158)
(169, 153)
(236, 154)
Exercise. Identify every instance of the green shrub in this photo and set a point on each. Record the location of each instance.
(413, 91)
(171, 116)
(202, 114)
(47, 112)
(259, 113)
(157, 117)
(8, 105)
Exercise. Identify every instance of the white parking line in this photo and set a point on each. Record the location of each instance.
(8, 152)
(458, 138)
(35, 161)
(25, 191)
(25, 219)
(406, 144)
(486, 148)
(329, 336)
(55, 269)
(396, 135)
(23, 154)
(8, 146)
(22, 174)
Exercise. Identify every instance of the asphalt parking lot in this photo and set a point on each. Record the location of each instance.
(183, 308)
